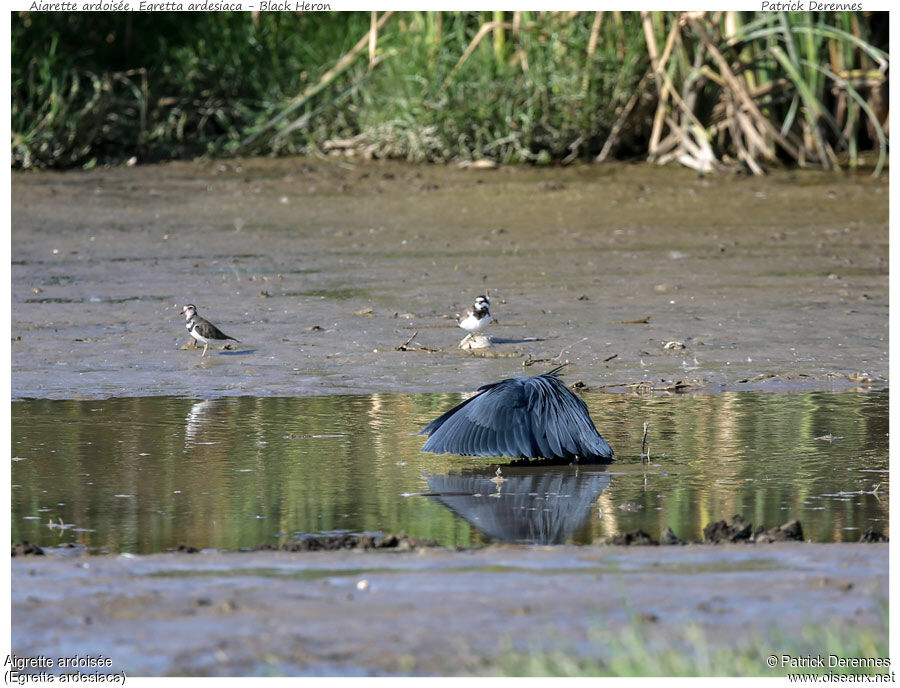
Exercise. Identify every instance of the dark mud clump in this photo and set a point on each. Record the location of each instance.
(720, 531)
(741, 530)
(635, 537)
(872, 535)
(186, 549)
(330, 543)
(26, 549)
(791, 531)
(668, 537)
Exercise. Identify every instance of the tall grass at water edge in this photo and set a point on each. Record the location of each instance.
(714, 91)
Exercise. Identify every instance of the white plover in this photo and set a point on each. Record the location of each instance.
(477, 317)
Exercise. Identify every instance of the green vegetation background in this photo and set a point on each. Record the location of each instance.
(91, 88)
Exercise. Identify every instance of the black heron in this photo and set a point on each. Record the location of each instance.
(522, 417)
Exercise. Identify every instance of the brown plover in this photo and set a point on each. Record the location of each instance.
(203, 330)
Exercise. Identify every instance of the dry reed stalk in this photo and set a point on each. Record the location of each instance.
(737, 88)
(696, 154)
(737, 123)
(623, 115)
(731, 24)
(482, 32)
(520, 53)
(754, 138)
(650, 41)
(693, 148)
(326, 79)
(712, 76)
(591, 49)
(620, 34)
(679, 101)
(667, 145)
(659, 65)
(373, 38)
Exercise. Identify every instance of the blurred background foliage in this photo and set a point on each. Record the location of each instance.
(725, 90)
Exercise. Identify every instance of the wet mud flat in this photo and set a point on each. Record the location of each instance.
(325, 268)
(435, 611)
(641, 278)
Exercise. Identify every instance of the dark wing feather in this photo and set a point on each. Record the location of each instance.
(563, 422)
(441, 419)
(522, 417)
(209, 331)
(481, 425)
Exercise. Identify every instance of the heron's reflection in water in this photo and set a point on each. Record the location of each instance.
(526, 505)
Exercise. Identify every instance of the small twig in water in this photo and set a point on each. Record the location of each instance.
(564, 349)
(531, 361)
(644, 452)
(405, 346)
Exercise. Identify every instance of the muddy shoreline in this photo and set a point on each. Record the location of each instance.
(433, 612)
(324, 268)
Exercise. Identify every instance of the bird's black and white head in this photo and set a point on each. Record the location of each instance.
(478, 316)
(189, 311)
(481, 303)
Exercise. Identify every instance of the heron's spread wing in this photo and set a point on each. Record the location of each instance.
(561, 422)
(521, 417)
(488, 424)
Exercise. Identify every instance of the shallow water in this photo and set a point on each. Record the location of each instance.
(146, 474)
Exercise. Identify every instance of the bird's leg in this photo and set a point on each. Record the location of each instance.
(205, 347)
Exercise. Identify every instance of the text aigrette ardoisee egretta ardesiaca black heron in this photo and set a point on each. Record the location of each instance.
(522, 417)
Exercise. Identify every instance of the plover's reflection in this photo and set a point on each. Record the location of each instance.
(527, 505)
(203, 417)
